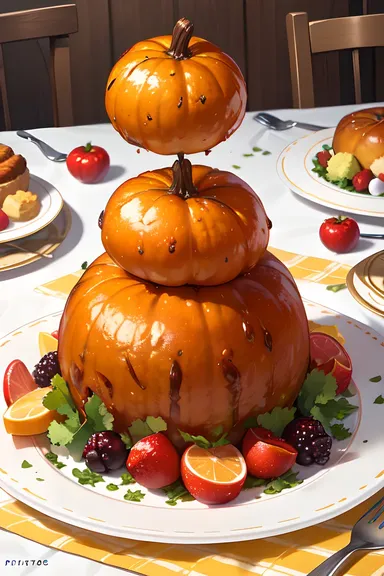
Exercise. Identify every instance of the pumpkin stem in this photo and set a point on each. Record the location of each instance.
(182, 184)
(181, 35)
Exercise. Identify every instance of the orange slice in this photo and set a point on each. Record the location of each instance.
(213, 476)
(47, 343)
(28, 416)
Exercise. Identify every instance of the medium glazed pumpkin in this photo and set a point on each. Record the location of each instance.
(185, 225)
(361, 134)
(175, 94)
(198, 357)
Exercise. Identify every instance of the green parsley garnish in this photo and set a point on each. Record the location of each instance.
(177, 491)
(84, 265)
(86, 476)
(248, 155)
(256, 149)
(275, 421)
(40, 479)
(236, 167)
(336, 287)
(340, 432)
(375, 379)
(112, 487)
(266, 153)
(136, 496)
(26, 464)
(287, 480)
(252, 482)
(327, 147)
(203, 442)
(53, 459)
(379, 400)
(126, 479)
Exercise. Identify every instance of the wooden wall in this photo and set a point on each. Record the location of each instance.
(251, 31)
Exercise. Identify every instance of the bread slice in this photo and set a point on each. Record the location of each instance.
(21, 182)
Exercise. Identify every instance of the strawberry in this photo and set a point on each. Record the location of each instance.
(323, 157)
(17, 382)
(362, 179)
(4, 220)
(381, 177)
(153, 462)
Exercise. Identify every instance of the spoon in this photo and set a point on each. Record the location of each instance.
(275, 123)
(47, 150)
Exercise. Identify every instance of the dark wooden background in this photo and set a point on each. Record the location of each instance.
(251, 31)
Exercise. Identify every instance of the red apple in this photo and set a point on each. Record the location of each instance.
(266, 455)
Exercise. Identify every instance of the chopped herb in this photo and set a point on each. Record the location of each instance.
(141, 428)
(266, 153)
(98, 415)
(287, 480)
(40, 479)
(136, 496)
(379, 400)
(156, 424)
(26, 464)
(127, 440)
(248, 155)
(252, 482)
(256, 149)
(347, 393)
(340, 432)
(53, 459)
(203, 442)
(112, 487)
(375, 379)
(87, 477)
(318, 168)
(84, 265)
(236, 167)
(327, 147)
(336, 287)
(126, 479)
(177, 491)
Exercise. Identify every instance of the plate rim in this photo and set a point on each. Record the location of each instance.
(42, 182)
(188, 538)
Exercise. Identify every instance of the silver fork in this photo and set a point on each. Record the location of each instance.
(367, 534)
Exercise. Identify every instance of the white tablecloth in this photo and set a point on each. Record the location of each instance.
(295, 228)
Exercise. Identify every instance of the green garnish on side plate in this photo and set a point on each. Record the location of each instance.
(53, 459)
(126, 479)
(136, 496)
(26, 464)
(379, 400)
(112, 487)
(87, 477)
(375, 379)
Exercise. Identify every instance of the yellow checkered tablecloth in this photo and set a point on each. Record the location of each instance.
(293, 554)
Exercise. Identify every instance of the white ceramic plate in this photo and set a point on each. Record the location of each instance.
(51, 204)
(294, 167)
(354, 472)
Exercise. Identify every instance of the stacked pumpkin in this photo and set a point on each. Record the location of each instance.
(186, 316)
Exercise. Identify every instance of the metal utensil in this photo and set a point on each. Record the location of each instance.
(47, 150)
(367, 534)
(275, 123)
(21, 249)
(372, 236)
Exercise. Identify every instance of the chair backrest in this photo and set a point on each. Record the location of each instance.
(306, 38)
(55, 23)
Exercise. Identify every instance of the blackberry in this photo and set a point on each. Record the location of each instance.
(46, 369)
(310, 440)
(105, 451)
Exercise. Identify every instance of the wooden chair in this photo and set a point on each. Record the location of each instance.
(55, 23)
(307, 38)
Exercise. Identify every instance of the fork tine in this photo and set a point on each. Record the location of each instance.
(373, 508)
(377, 515)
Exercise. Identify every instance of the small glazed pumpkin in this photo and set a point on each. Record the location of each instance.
(198, 357)
(185, 225)
(361, 134)
(175, 94)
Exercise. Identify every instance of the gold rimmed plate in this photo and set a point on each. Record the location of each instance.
(33, 247)
(51, 203)
(364, 281)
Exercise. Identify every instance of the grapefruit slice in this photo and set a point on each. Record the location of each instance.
(27, 416)
(328, 355)
(17, 382)
(47, 343)
(214, 475)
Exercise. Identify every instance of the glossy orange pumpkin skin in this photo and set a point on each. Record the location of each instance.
(199, 358)
(169, 105)
(361, 134)
(206, 239)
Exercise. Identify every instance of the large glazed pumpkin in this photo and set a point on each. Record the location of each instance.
(174, 94)
(361, 134)
(185, 225)
(198, 357)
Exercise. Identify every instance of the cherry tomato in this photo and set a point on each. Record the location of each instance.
(153, 462)
(266, 455)
(89, 164)
(330, 357)
(4, 220)
(339, 234)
